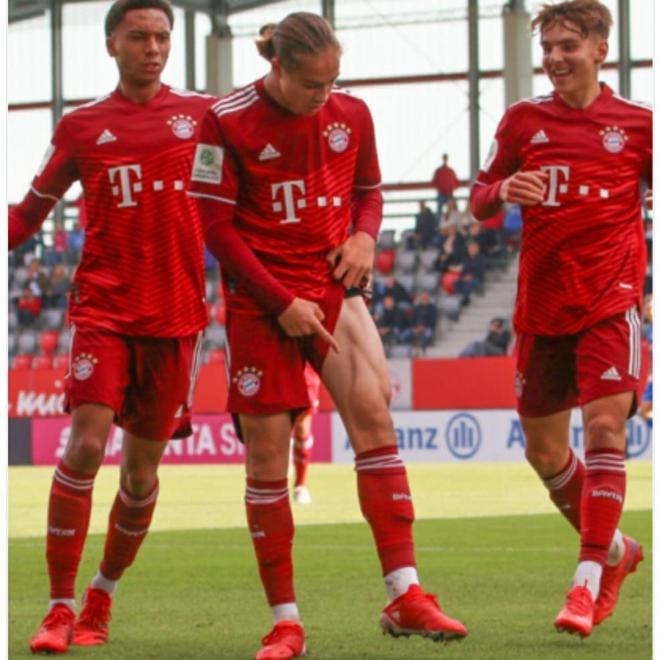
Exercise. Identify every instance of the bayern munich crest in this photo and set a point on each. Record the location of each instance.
(614, 139)
(82, 366)
(338, 135)
(248, 380)
(183, 126)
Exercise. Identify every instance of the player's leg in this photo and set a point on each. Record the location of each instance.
(608, 373)
(156, 407)
(266, 386)
(96, 375)
(303, 441)
(358, 381)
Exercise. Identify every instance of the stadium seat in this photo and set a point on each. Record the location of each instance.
(450, 306)
(64, 341)
(12, 343)
(386, 239)
(60, 361)
(27, 342)
(384, 262)
(406, 261)
(211, 291)
(216, 356)
(42, 362)
(12, 320)
(52, 319)
(22, 362)
(407, 281)
(427, 259)
(215, 335)
(428, 282)
(21, 276)
(48, 341)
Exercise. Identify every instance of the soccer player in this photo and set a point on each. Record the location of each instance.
(137, 306)
(278, 166)
(303, 440)
(573, 160)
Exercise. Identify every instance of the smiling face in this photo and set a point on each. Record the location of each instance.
(572, 61)
(140, 45)
(305, 88)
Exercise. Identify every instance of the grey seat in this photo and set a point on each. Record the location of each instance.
(27, 342)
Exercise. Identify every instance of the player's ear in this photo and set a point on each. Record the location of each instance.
(602, 49)
(110, 46)
(277, 67)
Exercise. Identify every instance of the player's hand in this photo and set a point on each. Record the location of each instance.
(524, 188)
(648, 199)
(302, 318)
(353, 260)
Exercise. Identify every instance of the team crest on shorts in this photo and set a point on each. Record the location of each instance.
(614, 139)
(248, 380)
(519, 384)
(82, 366)
(338, 135)
(183, 126)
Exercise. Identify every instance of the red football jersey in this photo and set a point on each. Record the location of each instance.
(291, 179)
(142, 270)
(583, 254)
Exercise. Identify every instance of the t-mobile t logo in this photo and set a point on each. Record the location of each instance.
(291, 204)
(121, 181)
(554, 184)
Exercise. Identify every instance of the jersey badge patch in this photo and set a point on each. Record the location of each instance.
(183, 126)
(614, 139)
(338, 135)
(82, 366)
(207, 165)
(248, 380)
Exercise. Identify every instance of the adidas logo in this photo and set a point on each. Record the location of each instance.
(539, 138)
(611, 374)
(106, 136)
(269, 152)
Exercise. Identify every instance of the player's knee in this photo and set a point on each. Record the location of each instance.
(546, 461)
(138, 483)
(84, 452)
(603, 430)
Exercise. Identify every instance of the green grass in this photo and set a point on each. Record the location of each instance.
(194, 592)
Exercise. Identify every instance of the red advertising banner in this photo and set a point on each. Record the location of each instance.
(213, 441)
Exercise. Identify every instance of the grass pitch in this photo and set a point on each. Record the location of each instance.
(194, 591)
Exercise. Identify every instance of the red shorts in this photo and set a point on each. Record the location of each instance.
(148, 382)
(562, 372)
(266, 366)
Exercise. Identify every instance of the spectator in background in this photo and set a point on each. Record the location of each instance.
(426, 226)
(425, 319)
(60, 243)
(473, 273)
(29, 307)
(59, 287)
(445, 182)
(397, 291)
(392, 324)
(452, 249)
(496, 341)
(76, 242)
(453, 216)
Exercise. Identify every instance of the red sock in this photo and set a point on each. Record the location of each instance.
(566, 489)
(69, 508)
(602, 502)
(302, 453)
(271, 526)
(127, 528)
(386, 504)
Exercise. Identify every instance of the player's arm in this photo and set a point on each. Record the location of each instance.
(501, 179)
(56, 173)
(352, 262)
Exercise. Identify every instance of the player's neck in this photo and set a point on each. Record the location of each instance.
(139, 93)
(273, 90)
(582, 98)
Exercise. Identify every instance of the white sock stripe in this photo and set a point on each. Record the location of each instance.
(78, 484)
(264, 499)
(613, 459)
(560, 480)
(380, 460)
(132, 503)
(266, 491)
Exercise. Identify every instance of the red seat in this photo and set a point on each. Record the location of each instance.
(221, 313)
(42, 362)
(216, 356)
(23, 362)
(48, 342)
(385, 262)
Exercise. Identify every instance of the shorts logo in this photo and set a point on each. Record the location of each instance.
(183, 126)
(248, 380)
(338, 136)
(519, 384)
(83, 366)
(614, 139)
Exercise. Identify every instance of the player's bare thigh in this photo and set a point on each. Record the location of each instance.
(358, 380)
